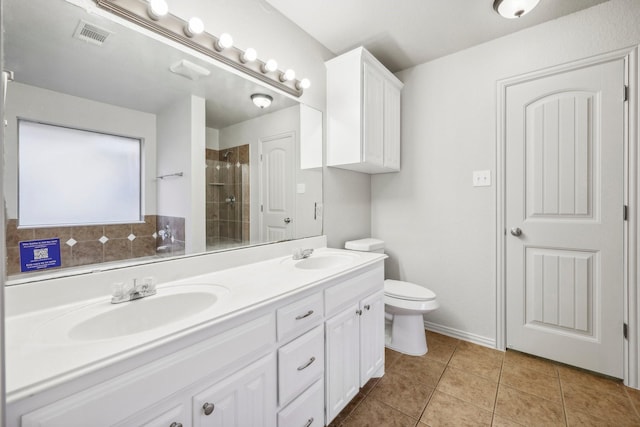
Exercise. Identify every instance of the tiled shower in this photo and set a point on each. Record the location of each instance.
(228, 197)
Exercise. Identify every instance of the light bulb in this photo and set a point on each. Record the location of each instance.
(249, 55)
(270, 66)
(303, 84)
(157, 9)
(224, 42)
(288, 75)
(194, 26)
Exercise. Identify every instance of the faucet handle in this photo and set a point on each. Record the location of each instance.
(149, 284)
(117, 289)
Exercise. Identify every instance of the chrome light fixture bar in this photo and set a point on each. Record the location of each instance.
(220, 49)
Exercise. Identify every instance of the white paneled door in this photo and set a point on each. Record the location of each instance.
(564, 216)
(277, 191)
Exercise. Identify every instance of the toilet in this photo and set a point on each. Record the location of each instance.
(404, 305)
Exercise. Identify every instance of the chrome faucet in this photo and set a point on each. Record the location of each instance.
(299, 253)
(126, 292)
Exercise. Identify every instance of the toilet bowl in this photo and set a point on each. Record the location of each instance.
(405, 304)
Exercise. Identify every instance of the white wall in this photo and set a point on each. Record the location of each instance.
(250, 132)
(440, 231)
(212, 139)
(181, 145)
(33, 103)
(254, 23)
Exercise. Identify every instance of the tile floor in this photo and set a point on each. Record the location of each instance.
(462, 384)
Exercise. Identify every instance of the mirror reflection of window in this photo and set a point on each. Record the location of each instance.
(74, 177)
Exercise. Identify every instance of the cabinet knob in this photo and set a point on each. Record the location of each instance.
(208, 408)
(309, 422)
(367, 307)
(176, 425)
(359, 312)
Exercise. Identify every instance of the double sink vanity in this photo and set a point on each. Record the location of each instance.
(246, 338)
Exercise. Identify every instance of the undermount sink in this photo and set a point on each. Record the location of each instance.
(324, 261)
(171, 306)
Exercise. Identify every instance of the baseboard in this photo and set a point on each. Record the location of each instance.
(461, 335)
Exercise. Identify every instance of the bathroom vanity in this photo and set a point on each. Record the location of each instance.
(270, 343)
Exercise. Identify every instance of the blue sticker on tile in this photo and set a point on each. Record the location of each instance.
(39, 254)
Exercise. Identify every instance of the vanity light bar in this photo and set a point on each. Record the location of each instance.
(220, 49)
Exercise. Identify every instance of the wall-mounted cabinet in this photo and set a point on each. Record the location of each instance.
(363, 114)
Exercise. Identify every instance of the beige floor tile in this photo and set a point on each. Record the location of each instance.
(486, 355)
(634, 395)
(372, 413)
(530, 381)
(468, 387)
(527, 408)
(439, 352)
(468, 361)
(581, 419)
(599, 403)
(366, 389)
(351, 406)
(426, 370)
(436, 338)
(405, 394)
(500, 421)
(390, 357)
(446, 410)
(589, 380)
(543, 366)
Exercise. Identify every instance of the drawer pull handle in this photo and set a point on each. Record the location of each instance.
(367, 307)
(208, 408)
(306, 365)
(307, 314)
(309, 422)
(359, 312)
(176, 425)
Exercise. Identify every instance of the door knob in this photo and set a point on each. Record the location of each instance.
(287, 220)
(516, 232)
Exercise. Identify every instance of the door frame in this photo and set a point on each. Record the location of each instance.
(631, 191)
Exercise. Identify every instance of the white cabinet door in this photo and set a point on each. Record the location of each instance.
(371, 336)
(391, 126)
(343, 354)
(373, 125)
(245, 399)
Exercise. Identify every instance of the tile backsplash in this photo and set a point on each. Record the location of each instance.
(96, 244)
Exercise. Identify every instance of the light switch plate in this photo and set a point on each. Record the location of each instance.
(482, 178)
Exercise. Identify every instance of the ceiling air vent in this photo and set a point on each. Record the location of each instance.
(91, 33)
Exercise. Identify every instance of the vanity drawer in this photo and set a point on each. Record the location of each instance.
(300, 316)
(341, 296)
(300, 363)
(307, 410)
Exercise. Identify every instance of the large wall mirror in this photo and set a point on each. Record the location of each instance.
(101, 113)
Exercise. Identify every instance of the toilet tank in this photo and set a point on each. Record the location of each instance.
(366, 245)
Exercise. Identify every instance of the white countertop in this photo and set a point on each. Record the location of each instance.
(38, 359)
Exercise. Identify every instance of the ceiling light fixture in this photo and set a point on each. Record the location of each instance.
(512, 9)
(153, 15)
(157, 9)
(224, 42)
(261, 100)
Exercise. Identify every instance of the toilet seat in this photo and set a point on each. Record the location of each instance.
(407, 291)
